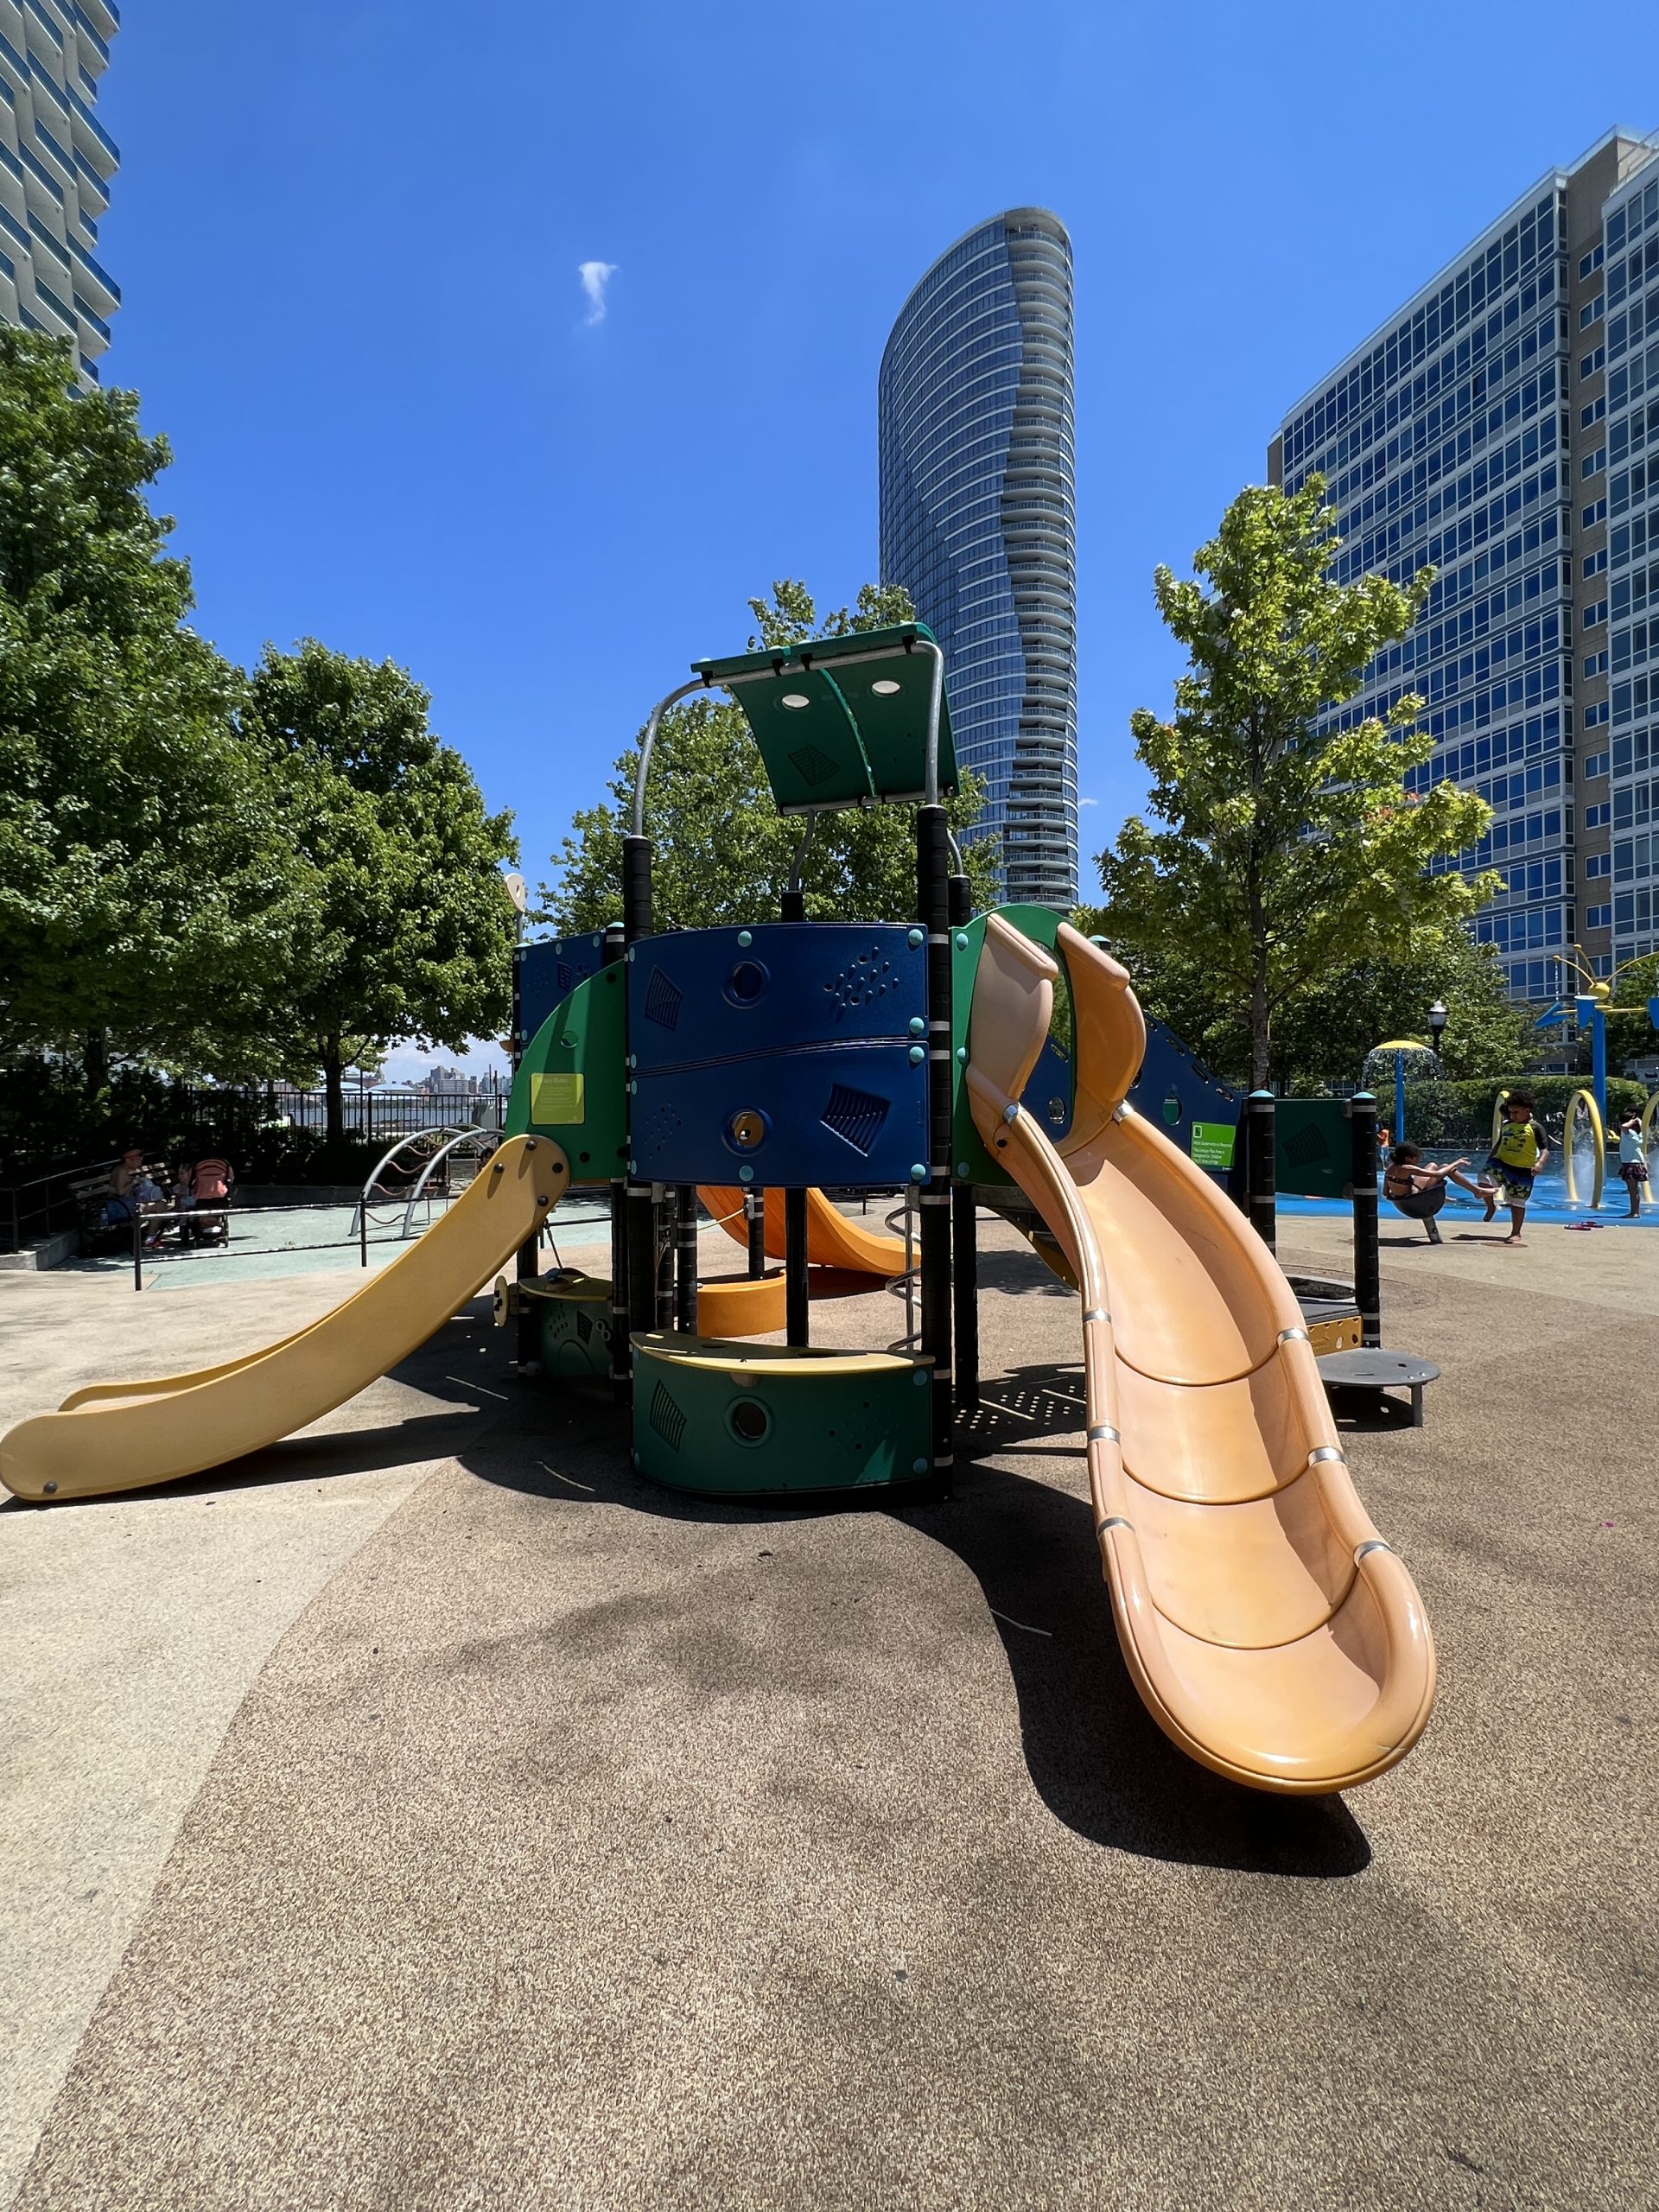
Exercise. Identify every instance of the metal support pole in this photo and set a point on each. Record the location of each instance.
(1598, 1062)
(664, 1223)
(137, 1249)
(363, 1232)
(641, 1259)
(615, 947)
(754, 1213)
(685, 1258)
(639, 1255)
(1262, 1166)
(933, 912)
(964, 1237)
(796, 1325)
(1368, 1281)
(792, 907)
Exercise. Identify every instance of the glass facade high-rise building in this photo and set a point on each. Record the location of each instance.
(974, 416)
(56, 160)
(1495, 428)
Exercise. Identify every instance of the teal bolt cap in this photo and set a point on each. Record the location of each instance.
(746, 1174)
(916, 938)
(918, 1027)
(962, 1055)
(917, 1054)
(962, 940)
(918, 1173)
(962, 1167)
(920, 1378)
(634, 1456)
(918, 1467)
(745, 938)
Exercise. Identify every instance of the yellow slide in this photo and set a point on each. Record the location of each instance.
(832, 1241)
(1270, 1632)
(124, 1436)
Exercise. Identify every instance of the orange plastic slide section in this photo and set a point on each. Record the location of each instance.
(121, 1436)
(832, 1241)
(1269, 1630)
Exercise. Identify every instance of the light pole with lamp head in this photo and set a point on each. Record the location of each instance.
(1437, 1027)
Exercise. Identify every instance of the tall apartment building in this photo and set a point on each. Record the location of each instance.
(978, 522)
(1494, 429)
(56, 160)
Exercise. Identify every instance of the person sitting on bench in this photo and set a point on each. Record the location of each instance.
(1419, 1193)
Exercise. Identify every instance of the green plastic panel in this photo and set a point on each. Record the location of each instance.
(571, 1083)
(574, 1312)
(1313, 1147)
(847, 743)
(727, 1419)
(970, 1162)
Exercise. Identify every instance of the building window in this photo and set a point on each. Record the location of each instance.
(1593, 363)
(1598, 864)
(1592, 413)
(1595, 513)
(1595, 664)
(1593, 462)
(1589, 262)
(1594, 563)
(1595, 765)
(1590, 312)
(1598, 818)
(1598, 918)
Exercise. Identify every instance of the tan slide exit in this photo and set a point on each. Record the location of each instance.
(832, 1241)
(1269, 1630)
(121, 1436)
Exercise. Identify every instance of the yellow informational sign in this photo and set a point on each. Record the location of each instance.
(558, 1098)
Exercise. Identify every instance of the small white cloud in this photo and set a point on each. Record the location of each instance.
(595, 275)
(1088, 801)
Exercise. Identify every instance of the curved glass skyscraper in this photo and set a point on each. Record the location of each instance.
(978, 522)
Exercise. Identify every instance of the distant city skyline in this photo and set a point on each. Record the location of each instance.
(978, 521)
(56, 161)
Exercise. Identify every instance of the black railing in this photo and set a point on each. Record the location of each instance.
(32, 1210)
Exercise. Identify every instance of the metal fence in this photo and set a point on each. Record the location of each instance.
(378, 1115)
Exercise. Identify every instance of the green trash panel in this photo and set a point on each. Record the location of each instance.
(727, 1419)
(571, 1083)
(574, 1311)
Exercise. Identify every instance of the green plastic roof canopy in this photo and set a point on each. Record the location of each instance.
(838, 735)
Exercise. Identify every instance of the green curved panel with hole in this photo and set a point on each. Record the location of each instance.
(571, 1083)
(833, 736)
(772, 1420)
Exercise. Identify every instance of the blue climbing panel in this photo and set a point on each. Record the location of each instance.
(794, 1051)
(548, 972)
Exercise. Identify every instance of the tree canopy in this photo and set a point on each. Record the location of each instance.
(405, 929)
(722, 851)
(1278, 855)
(143, 898)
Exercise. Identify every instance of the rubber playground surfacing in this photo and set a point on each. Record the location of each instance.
(466, 1823)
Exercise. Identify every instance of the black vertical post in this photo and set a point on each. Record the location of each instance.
(685, 1258)
(137, 1248)
(664, 1224)
(1368, 1278)
(933, 913)
(641, 1207)
(964, 1237)
(754, 1213)
(796, 1305)
(526, 1261)
(792, 907)
(615, 946)
(1260, 1166)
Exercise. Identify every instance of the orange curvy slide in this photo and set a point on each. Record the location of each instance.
(1270, 1632)
(832, 1241)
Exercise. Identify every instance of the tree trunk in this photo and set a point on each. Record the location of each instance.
(334, 1127)
(1260, 1041)
(95, 1061)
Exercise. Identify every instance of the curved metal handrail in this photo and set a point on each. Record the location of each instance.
(462, 1136)
(447, 1129)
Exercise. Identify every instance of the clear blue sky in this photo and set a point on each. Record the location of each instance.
(349, 231)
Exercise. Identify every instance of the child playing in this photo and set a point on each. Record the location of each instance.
(1515, 1158)
(1419, 1191)
(1631, 1165)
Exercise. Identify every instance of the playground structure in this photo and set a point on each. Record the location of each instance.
(1270, 1629)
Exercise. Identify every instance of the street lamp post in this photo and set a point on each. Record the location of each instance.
(1436, 1024)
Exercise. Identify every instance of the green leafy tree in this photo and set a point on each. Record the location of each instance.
(1323, 1036)
(406, 930)
(1277, 855)
(1630, 1032)
(143, 904)
(722, 851)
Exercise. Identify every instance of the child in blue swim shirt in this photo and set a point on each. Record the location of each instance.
(1516, 1157)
